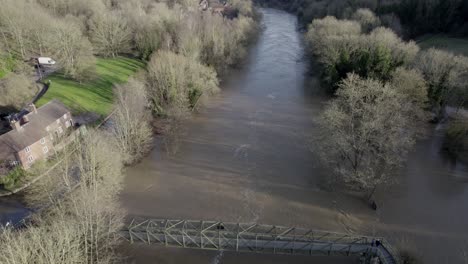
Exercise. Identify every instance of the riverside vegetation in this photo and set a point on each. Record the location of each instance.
(411, 18)
(383, 89)
(184, 49)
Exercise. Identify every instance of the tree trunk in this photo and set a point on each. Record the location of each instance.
(371, 193)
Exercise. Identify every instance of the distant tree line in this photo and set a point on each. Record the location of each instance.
(418, 17)
(430, 16)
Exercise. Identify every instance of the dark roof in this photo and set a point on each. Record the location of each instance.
(35, 128)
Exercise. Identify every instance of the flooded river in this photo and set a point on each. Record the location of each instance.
(245, 156)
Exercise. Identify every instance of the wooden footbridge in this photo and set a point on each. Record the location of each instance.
(251, 237)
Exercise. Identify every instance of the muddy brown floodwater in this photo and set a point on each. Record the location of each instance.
(245, 157)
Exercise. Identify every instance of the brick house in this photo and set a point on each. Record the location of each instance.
(34, 133)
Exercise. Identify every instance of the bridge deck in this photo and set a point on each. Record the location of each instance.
(253, 237)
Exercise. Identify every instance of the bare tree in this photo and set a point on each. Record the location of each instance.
(342, 49)
(83, 8)
(72, 50)
(14, 20)
(146, 27)
(365, 133)
(110, 33)
(366, 18)
(323, 31)
(215, 41)
(328, 37)
(446, 77)
(15, 91)
(19, 34)
(55, 242)
(190, 38)
(82, 194)
(411, 83)
(175, 81)
(131, 127)
(402, 53)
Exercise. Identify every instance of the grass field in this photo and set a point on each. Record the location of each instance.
(7, 64)
(456, 45)
(96, 95)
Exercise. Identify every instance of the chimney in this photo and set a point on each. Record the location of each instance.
(25, 119)
(15, 124)
(32, 108)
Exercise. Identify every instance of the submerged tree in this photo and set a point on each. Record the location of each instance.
(176, 82)
(366, 18)
(367, 132)
(341, 48)
(446, 75)
(131, 127)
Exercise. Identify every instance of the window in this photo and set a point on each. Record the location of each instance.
(30, 159)
(42, 141)
(27, 149)
(45, 150)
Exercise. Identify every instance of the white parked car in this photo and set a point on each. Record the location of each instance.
(45, 61)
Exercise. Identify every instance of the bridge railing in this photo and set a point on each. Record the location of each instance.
(251, 237)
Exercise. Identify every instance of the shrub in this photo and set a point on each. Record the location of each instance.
(130, 126)
(411, 83)
(80, 216)
(15, 91)
(7, 63)
(173, 80)
(456, 138)
(342, 49)
(13, 178)
(366, 18)
(446, 77)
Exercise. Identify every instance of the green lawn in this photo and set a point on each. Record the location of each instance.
(96, 95)
(456, 45)
(7, 64)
